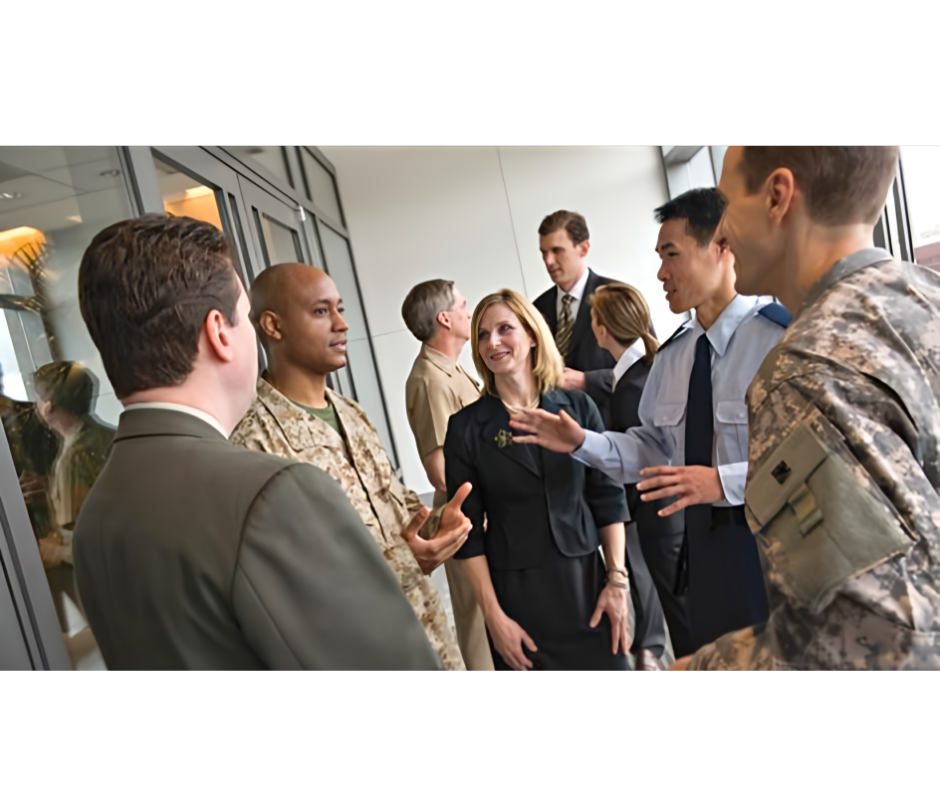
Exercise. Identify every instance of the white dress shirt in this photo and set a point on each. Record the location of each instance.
(740, 339)
(576, 292)
(630, 356)
(199, 414)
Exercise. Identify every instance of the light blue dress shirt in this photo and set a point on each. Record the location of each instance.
(740, 339)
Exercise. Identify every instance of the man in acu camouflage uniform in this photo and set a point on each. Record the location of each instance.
(297, 312)
(842, 491)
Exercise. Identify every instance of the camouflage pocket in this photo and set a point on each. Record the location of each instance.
(819, 524)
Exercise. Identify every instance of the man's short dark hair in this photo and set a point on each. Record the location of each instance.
(702, 210)
(145, 287)
(424, 303)
(841, 184)
(67, 385)
(574, 223)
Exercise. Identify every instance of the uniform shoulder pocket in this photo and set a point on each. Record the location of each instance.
(668, 414)
(820, 524)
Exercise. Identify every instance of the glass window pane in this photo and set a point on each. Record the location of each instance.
(281, 244)
(56, 199)
(921, 165)
(271, 157)
(361, 365)
(320, 186)
(185, 196)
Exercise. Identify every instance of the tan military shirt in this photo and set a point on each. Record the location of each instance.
(437, 387)
(275, 425)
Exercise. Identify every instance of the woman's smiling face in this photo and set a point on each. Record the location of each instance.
(503, 342)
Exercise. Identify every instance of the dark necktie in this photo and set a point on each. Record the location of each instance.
(699, 439)
(565, 326)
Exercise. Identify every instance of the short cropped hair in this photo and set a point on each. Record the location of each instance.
(424, 303)
(145, 287)
(701, 208)
(841, 184)
(574, 223)
(547, 364)
(67, 385)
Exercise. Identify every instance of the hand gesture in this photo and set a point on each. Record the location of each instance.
(559, 433)
(33, 486)
(694, 483)
(508, 639)
(613, 602)
(454, 530)
(572, 379)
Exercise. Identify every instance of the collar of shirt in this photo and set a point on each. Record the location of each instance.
(199, 414)
(720, 332)
(843, 268)
(440, 360)
(576, 292)
(630, 356)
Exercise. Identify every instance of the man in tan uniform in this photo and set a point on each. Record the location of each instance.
(436, 313)
(297, 312)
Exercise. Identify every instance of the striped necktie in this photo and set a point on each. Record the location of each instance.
(565, 326)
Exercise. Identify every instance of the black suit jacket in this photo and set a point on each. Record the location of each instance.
(584, 354)
(520, 488)
(624, 412)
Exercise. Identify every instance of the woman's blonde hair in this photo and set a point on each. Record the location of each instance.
(547, 366)
(623, 311)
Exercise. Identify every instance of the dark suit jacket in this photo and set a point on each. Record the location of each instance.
(194, 553)
(584, 355)
(624, 412)
(521, 488)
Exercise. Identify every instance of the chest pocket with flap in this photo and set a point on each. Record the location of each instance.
(811, 508)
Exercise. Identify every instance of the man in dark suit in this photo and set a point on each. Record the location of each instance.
(564, 243)
(191, 552)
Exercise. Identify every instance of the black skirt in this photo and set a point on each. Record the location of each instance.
(554, 603)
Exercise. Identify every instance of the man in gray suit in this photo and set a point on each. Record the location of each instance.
(191, 552)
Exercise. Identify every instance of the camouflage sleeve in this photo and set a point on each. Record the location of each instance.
(746, 649)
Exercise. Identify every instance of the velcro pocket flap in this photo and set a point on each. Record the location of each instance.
(668, 414)
(820, 524)
(731, 412)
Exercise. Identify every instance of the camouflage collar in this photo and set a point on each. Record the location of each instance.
(313, 430)
(842, 268)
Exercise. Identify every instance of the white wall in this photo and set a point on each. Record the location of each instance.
(472, 215)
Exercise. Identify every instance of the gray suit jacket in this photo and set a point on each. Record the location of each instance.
(194, 553)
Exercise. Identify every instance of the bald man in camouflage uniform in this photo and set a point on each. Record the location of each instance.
(297, 312)
(843, 420)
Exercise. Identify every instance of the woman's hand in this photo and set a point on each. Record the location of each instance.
(508, 638)
(613, 602)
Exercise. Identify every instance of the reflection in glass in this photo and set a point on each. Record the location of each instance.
(185, 196)
(57, 415)
(271, 157)
(281, 244)
(361, 366)
(921, 166)
(321, 188)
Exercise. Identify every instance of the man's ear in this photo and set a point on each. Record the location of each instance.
(218, 334)
(443, 318)
(270, 324)
(583, 248)
(780, 193)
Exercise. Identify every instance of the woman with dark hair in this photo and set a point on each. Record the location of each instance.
(620, 319)
(548, 600)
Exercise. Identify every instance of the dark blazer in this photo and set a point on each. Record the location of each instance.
(584, 355)
(194, 553)
(519, 488)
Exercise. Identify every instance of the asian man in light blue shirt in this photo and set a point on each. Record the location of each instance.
(692, 442)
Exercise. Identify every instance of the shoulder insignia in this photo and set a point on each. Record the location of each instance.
(678, 332)
(776, 313)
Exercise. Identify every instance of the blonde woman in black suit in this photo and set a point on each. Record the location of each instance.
(620, 319)
(548, 599)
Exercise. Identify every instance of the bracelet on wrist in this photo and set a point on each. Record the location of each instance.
(616, 584)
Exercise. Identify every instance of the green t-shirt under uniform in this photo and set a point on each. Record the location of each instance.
(328, 414)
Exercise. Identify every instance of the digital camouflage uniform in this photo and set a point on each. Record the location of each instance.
(852, 385)
(276, 426)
